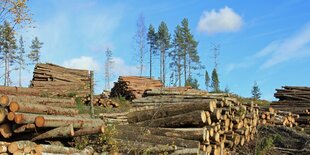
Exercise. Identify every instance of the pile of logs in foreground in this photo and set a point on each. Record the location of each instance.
(192, 122)
(133, 87)
(27, 119)
(296, 101)
(60, 81)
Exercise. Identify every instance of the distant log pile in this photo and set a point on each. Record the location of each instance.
(295, 100)
(193, 121)
(60, 81)
(132, 87)
(101, 100)
(42, 119)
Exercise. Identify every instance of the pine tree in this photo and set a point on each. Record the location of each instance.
(8, 47)
(176, 55)
(207, 80)
(21, 59)
(107, 68)
(192, 82)
(256, 94)
(191, 59)
(215, 84)
(163, 43)
(140, 38)
(151, 38)
(35, 47)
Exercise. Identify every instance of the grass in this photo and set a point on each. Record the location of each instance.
(82, 108)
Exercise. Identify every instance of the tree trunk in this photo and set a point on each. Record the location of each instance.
(76, 121)
(89, 131)
(185, 133)
(191, 119)
(63, 131)
(42, 109)
(137, 136)
(169, 110)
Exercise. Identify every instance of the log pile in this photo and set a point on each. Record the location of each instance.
(22, 120)
(60, 81)
(296, 101)
(198, 121)
(120, 118)
(29, 147)
(132, 87)
(101, 100)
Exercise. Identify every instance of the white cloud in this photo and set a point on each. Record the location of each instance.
(122, 69)
(82, 62)
(276, 52)
(296, 46)
(224, 20)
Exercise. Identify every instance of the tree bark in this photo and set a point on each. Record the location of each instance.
(63, 131)
(191, 119)
(169, 110)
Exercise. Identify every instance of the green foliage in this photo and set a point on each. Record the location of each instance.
(82, 108)
(192, 82)
(163, 44)
(71, 94)
(207, 80)
(215, 84)
(35, 47)
(151, 40)
(264, 144)
(7, 49)
(15, 12)
(256, 94)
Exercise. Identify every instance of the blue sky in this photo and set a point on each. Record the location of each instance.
(264, 41)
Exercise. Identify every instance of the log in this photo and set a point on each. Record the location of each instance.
(140, 147)
(4, 100)
(170, 111)
(24, 127)
(19, 145)
(90, 131)
(55, 149)
(57, 121)
(21, 91)
(58, 102)
(5, 130)
(137, 136)
(191, 119)
(3, 114)
(198, 134)
(63, 131)
(42, 109)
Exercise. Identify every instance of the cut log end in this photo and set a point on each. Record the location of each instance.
(11, 116)
(14, 106)
(39, 121)
(4, 100)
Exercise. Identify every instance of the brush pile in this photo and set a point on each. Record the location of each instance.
(133, 87)
(60, 81)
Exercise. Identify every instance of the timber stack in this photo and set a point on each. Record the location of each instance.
(101, 100)
(26, 119)
(133, 87)
(192, 122)
(60, 81)
(294, 100)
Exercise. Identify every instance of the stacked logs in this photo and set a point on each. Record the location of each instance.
(295, 101)
(132, 87)
(198, 122)
(101, 100)
(29, 147)
(119, 118)
(37, 120)
(60, 81)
